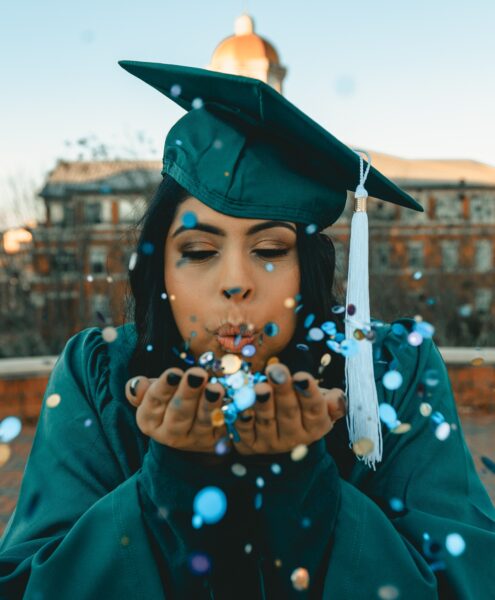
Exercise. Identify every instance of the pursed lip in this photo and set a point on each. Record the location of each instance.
(234, 337)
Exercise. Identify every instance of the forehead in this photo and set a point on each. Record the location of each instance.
(205, 214)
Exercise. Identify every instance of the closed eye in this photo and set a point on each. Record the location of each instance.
(199, 255)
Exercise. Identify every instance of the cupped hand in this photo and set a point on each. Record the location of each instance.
(289, 411)
(175, 409)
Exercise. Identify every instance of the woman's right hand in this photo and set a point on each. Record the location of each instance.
(175, 409)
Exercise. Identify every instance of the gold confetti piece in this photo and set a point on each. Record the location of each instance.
(226, 173)
(326, 359)
(183, 355)
(388, 592)
(300, 579)
(299, 452)
(359, 335)
(5, 453)
(425, 409)
(109, 334)
(273, 360)
(217, 417)
(124, 540)
(238, 469)
(478, 361)
(401, 428)
(362, 446)
(278, 563)
(289, 303)
(53, 400)
(230, 363)
(171, 297)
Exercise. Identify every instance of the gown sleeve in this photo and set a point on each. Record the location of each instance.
(78, 529)
(422, 525)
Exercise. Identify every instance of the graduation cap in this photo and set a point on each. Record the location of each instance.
(244, 150)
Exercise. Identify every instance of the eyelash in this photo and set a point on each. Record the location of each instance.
(198, 255)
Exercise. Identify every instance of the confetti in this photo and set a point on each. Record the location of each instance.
(10, 428)
(230, 363)
(329, 327)
(53, 400)
(325, 360)
(289, 303)
(276, 469)
(90, 278)
(300, 579)
(316, 334)
(392, 380)
(217, 417)
(396, 504)
(149, 348)
(199, 563)
(425, 409)
(455, 544)
(431, 377)
(124, 540)
(248, 350)
(271, 329)
(189, 220)
(388, 592)
(269, 267)
(238, 470)
(248, 548)
(176, 90)
(478, 361)
(5, 453)
(244, 398)
(442, 432)
(210, 504)
(299, 452)
(147, 248)
(197, 103)
(351, 310)
(338, 309)
(388, 414)
(362, 447)
(310, 229)
(401, 428)
(109, 334)
(132, 261)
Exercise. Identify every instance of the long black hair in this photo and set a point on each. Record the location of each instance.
(158, 338)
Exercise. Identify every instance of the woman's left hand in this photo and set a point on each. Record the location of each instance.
(289, 410)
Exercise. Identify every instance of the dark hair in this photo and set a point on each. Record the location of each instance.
(155, 325)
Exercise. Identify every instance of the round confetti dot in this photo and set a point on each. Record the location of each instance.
(248, 350)
(53, 400)
(223, 445)
(110, 279)
(349, 347)
(387, 414)
(244, 398)
(206, 358)
(338, 309)
(230, 363)
(248, 548)
(271, 329)
(455, 544)
(258, 501)
(90, 278)
(425, 409)
(269, 267)
(431, 377)
(425, 330)
(238, 469)
(172, 297)
(299, 452)
(197, 103)
(351, 309)
(388, 592)
(149, 348)
(226, 174)
(163, 296)
(10, 428)
(176, 90)
(417, 275)
(326, 359)
(305, 522)
(147, 248)
(415, 339)
(362, 447)
(359, 335)
(199, 563)
(300, 579)
(189, 220)
(396, 504)
(401, 428)
(5, 453)
(217, 417)
(289, 303)
(308, 321)
(277, 562)
(312, 228)
(132, 261)
(329, 327)
(465, 310)
(276, 469)
(316, 334)
(124, 540)
(392, 380)
(88, 423)
(398, 329)
(109, 334)
(442, 432)
(197, 521)
(477, 362)
(260, 482)
(210, 504)
(218, 144)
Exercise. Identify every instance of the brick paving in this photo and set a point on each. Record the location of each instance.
(478, 430)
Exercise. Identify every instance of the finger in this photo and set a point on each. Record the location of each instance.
(183, 407)
(336, 403)
(287, 407)
(264, 429)
(135, 389)
(152, 408)
(210, 400)
(314, 410)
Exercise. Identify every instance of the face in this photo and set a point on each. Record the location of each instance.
(232, 282)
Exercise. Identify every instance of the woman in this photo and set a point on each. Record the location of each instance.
(140, 483)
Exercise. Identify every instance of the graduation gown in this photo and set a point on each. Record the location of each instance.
(104, 512)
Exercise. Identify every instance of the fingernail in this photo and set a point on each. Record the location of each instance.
(211, 395)
(173, 378)
(194, 380)
(278, 376)
(262, 397)
(301, 384)
(245, 418)
(133, 386)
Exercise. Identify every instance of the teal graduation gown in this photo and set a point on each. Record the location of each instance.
(104, 512)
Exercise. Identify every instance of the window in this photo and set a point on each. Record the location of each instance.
(56, 213)
(448, 207)
(483, 299)
(93, 212)
(97, 260)
(415, 251)
(482, 208)
(64, 261)
(483, 256)
(450, 254)
(380, 256)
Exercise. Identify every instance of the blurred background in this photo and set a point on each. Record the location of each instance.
(81, 144)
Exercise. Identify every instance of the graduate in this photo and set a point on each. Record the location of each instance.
(250, 434)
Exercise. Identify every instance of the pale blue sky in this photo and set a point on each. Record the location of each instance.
(415, 79)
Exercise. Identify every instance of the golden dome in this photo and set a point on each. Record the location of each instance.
(244, 46)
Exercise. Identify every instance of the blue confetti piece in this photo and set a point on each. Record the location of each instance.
(309, 320)
(210, 504)
(189, 219)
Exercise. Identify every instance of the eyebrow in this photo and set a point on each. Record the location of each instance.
(251, 231)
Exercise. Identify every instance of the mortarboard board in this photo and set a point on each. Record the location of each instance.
(243, 149)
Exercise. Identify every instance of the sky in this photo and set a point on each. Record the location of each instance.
(414, 79)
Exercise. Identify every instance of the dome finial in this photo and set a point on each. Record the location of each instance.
(244, 25)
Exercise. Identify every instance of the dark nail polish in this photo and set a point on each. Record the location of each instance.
(211, 395)
(278, 376)
(133, 386)
(245, 418)
(173, 379)
(194, 380)
(301, 384)
(262, 397)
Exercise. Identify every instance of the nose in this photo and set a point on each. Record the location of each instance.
(237, 293)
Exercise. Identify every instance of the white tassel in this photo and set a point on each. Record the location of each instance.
(363, 419)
